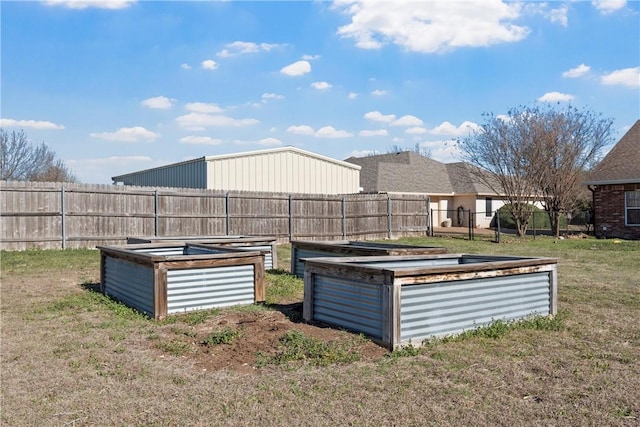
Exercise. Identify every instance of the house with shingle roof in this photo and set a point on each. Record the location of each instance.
(454, 189)
(615, 184)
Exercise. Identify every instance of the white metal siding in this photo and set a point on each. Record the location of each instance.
(130, 283)
(445, 308)
(349, 304)
(205, 288)
(301, 253)
(282, 171)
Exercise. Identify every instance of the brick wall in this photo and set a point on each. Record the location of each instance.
(608, 203)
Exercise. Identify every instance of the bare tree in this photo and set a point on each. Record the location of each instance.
(537, 153)
(20, 160)
(571, 141)
(423, 151)
(506, 153)
(56, 172)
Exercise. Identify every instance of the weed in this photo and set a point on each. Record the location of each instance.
(623, 412)
(405, 351)
(499, 328)
(296, 346)
(197, 317)
(175, 347)
(178, 330)
(225, 335)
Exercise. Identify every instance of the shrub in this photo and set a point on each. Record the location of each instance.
(539, 219)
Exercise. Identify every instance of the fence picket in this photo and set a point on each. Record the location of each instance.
(56, 215)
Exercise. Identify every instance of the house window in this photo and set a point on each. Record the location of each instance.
(632, 208)
(488, 207)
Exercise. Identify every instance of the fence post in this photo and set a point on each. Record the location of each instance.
(427, 217)
(431, 222)
(470, 225)
(389, 220)
(497, 226)
(344, 219)
(64, 219)
(227, 204)
(290, 218)
(155, 213)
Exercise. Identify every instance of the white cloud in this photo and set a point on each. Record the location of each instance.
(134, 134)
(376, 132)
(199, 121)
(416, 130)
(200, 140)
(626, 77)
(377, 116)
(378, 92)
(159, 103)
(185, 66)
(321, 85)
(266, 96)
(298, 68)
(432, 26)
(203, 107)
(241, 48)
(555, 97)
(559, 15)
(608, 6)
(579, 71)
(209, 64)
(310, 57)
(83, 4)
(352, 95)
(443, 151)
(446, 128)
(331, 132)
(34, 124)
(300, 130)
(270, 142)
(407, 120)
(324, 132)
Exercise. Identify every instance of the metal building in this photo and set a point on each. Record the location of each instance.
(282, 170)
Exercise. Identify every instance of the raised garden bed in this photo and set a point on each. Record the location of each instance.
(301, 249)
(401, 300)
(268, 245)
(161, 279)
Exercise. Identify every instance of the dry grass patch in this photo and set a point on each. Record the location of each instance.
(70, 356)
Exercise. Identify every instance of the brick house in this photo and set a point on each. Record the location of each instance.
(615, 184)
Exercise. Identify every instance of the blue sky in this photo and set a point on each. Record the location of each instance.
(118, 86)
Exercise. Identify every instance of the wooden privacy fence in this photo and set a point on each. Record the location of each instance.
(56, 215)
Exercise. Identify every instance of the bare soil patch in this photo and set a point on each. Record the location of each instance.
(260, 335)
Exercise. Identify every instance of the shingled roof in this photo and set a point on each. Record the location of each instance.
(408, 172)
(622, 164)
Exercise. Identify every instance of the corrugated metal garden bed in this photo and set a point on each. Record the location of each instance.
(161, 279)
(266, 244)
(402, 300)
(301, 249)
